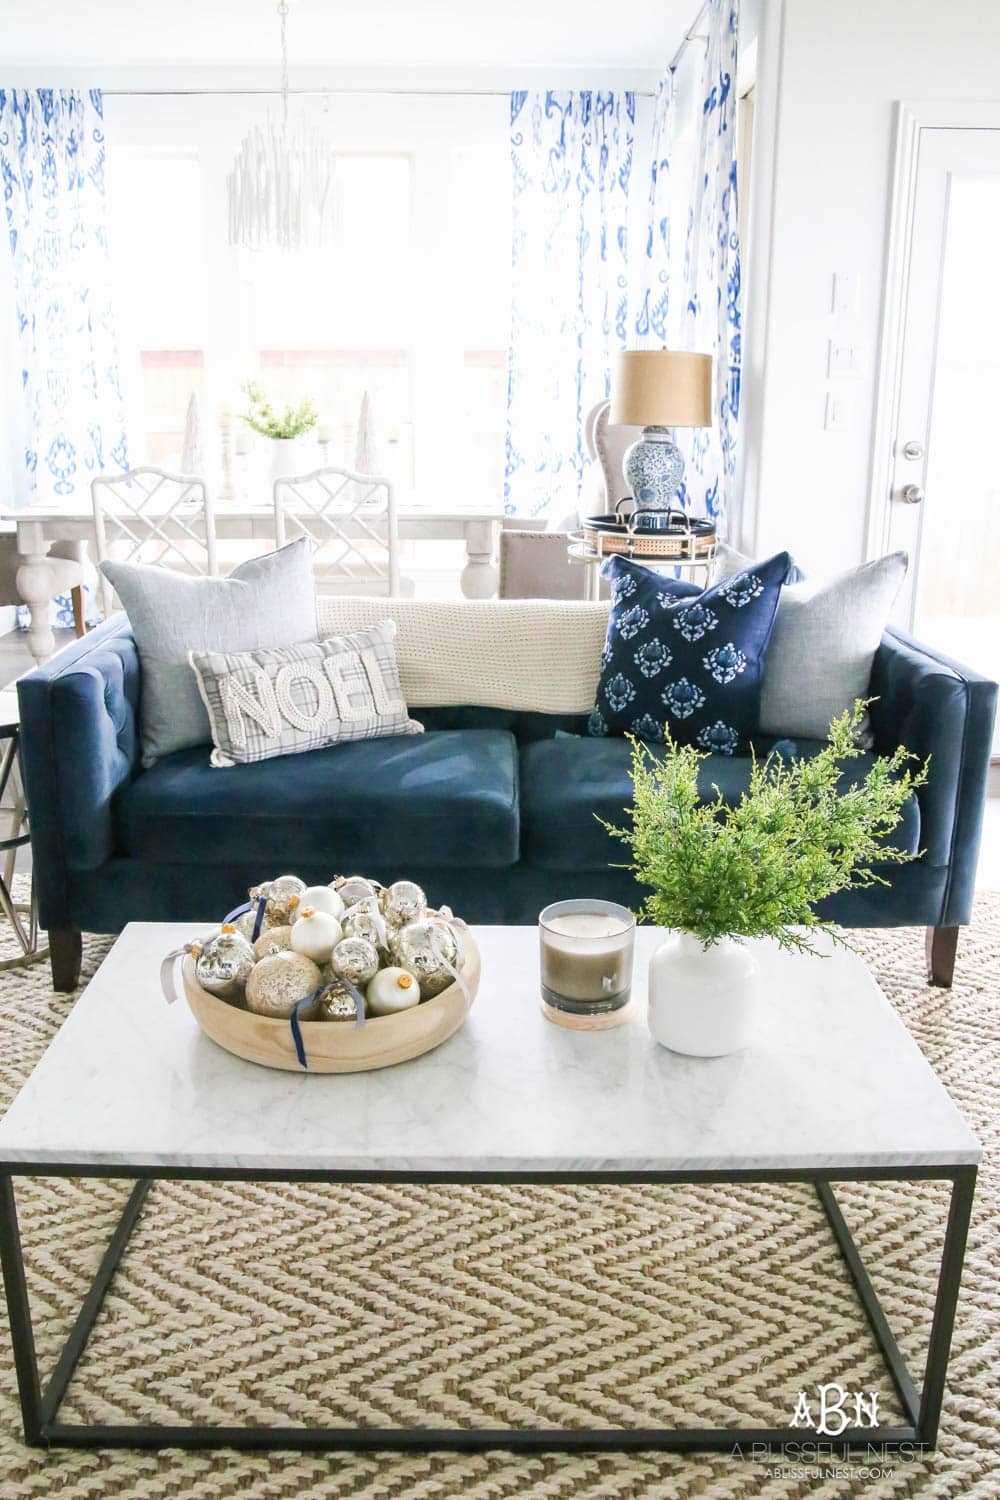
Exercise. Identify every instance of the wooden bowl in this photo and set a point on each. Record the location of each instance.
(336, 1046)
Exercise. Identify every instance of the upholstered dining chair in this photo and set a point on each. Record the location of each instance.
(537, 565)
(605, 483)
(150, 515)
(350, 520)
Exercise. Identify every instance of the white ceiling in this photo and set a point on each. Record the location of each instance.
(484, 34)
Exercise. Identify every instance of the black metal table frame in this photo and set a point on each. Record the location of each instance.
(922, 1407)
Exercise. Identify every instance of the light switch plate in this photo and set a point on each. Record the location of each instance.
(844, 303)
(839, 411)
(844, 358)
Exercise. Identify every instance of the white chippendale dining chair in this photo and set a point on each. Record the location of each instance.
(152, 516)
(350, 520)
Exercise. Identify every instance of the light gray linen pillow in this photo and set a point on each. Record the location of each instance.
(267, 601)
(266, 703)
(826, 632)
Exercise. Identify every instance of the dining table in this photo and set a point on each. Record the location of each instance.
(39, 526)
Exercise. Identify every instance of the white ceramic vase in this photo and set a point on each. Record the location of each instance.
(286, 458)
(702, 1001)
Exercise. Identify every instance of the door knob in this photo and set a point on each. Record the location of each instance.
(911, 494)
(913, 449)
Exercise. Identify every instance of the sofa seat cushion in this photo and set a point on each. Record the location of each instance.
(566, 781)
(436, 800)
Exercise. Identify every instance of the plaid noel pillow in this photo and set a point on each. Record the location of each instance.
(280, 702)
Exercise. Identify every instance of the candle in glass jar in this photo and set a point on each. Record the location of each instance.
(586, 960)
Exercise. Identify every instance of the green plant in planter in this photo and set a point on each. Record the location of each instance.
(290, 422)
(757, 868)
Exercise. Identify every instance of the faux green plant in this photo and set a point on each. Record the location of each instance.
(758, 867)
(289, 422)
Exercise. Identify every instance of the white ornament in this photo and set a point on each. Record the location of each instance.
(316, 934)
(392, 990)
(323, 898)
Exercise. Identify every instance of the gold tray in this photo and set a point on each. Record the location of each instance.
(659, 544)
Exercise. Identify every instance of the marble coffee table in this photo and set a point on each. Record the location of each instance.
(834, 1089)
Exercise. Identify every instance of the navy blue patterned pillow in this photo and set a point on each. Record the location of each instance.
(692, 663)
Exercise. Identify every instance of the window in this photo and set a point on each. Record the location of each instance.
(480, 236)
(409, 306)
(156, 233)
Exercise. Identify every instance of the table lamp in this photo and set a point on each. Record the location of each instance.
(657, 390)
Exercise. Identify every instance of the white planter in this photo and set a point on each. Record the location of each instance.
(702, 1001)
(286, 457)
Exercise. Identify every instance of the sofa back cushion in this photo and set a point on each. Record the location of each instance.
(266, 602)
(520, 656)
(826, 633)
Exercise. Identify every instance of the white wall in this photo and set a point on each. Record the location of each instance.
(828, 79)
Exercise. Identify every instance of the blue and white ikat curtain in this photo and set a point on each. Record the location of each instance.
(571, 156)
(52, 169)
(690, 275)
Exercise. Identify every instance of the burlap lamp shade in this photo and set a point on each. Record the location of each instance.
(661, 388)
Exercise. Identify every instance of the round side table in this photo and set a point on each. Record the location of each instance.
(579, 552)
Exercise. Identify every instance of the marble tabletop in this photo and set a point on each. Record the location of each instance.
(832, 1079)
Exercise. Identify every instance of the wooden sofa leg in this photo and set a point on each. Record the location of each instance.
(942, 944)
(65, 956)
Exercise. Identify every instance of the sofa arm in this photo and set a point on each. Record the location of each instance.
(937, 708)
(79, 742)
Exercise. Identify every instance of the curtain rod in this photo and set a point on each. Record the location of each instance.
(325, 93)
(690, 36)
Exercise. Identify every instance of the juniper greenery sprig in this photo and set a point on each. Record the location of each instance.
(290, 422)
(800, 832)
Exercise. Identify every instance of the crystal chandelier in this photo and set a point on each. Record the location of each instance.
(281, 190)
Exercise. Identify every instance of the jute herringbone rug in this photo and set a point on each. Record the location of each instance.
(528, 1306)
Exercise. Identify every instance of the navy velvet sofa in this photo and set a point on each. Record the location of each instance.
(492, 812)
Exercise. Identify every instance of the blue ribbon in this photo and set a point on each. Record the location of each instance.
(359, 1020)
(238, 911)
(300, 1050)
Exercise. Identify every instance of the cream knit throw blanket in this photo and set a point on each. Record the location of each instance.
(529, 654)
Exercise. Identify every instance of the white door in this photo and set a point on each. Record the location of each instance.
(945, 469)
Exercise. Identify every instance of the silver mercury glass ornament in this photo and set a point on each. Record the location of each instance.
(272, 940)
(336, 1003)
(355, 959)
(279, 981)
(353, 888)
(245, 923)
(370, 926)
(224, 964)
(428, 949)
(404, 902)
(283, 896)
